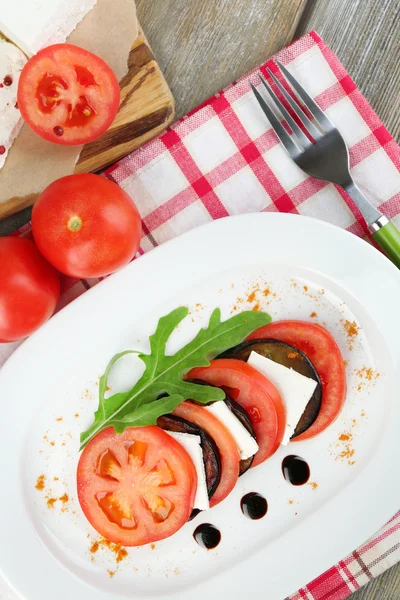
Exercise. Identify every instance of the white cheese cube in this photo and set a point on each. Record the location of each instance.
(295, 389)
(35, 24)
(12, 61)
(245, 442)
(192, 445)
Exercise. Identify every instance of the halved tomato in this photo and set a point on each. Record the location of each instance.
(136, 487)
(68, 95)
(322, 350)
(226, 444)
(256, 394)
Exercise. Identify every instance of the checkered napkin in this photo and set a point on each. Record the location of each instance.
(224, 159)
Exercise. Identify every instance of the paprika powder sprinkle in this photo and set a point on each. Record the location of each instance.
(40, 483)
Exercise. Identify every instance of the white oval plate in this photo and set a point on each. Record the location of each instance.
(297, 267)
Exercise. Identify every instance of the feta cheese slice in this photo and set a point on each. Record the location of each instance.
(192, 445)
(245, 442)
(295, 389)
(12, 61)
(35, 24)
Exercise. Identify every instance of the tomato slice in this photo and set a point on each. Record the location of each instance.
(322, 350)
(256, 394)
(68, 95)
(136, 487)
(226, 444)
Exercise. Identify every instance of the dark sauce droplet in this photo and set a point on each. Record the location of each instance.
(207, 536)
(295, 470)
(254, 506)
(7, 80)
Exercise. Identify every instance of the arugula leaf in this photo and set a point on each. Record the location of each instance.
(163, 373)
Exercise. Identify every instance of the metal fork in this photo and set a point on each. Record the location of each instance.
(326, 157)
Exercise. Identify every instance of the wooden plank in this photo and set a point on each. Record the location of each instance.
(147, 108)
(202, 46)
(366, 37)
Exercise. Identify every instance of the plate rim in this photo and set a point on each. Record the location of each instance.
(235, 221)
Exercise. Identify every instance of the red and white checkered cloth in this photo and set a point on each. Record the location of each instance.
(224, 159)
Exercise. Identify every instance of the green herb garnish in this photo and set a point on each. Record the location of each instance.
(163, 374)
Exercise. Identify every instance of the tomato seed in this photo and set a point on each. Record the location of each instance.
(59, 131)
(2, 150)
(87, 112)
(7, 80)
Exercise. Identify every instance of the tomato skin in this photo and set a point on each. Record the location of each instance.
(256, 394)
(130, 483)
(29, 289)
(226, 444)
(324, 353)
(86, 226)
(68, 95)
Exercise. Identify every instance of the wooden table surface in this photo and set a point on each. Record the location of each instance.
(203, 45)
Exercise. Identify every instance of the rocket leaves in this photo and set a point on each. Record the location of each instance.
(163, 374)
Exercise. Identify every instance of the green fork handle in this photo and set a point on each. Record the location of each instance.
(388, 238)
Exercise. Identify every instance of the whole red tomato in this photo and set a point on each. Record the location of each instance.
(29, 289)
(86, 226)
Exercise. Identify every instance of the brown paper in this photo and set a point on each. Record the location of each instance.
(109, 31)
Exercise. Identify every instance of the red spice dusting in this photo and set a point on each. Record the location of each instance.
(345, 437)
(40, 483)
(55, 478)
(345, 362)
(111, 573)
(292, 354)
(305, 288)
(313, 484)
(117, 549)
(51, 502)
(76, 415)
(367, 373)
(52, 443)
(152, 546)
(257, 307)
(347, 453)
(59, 419)
(251, 297)
(313, 314)
(64, 498)
(290, 501)
(266, 292)
(108, 388)
(351, 328)
(121, 554)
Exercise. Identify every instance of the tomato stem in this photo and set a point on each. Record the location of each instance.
(74, 223)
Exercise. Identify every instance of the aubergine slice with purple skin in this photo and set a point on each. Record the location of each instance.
(290, 357)
(241, 414)
(211, 456)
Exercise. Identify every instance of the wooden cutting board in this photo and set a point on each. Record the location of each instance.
(147, 108)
